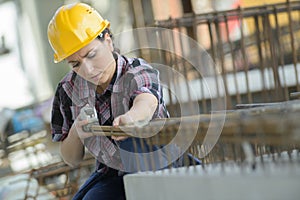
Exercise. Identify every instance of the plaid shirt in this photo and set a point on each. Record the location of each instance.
(132, 77)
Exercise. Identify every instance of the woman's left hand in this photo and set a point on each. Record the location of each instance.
(122, 120)
(144, 106)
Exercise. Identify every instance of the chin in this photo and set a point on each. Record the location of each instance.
(93, 82)
(102, 80)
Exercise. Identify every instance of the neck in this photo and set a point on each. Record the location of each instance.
(102, 87)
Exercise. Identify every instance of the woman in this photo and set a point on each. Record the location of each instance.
(122, 90)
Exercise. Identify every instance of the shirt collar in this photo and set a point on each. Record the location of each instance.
(79, 89)
(121, 63)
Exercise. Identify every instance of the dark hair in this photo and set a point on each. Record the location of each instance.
(102, 34)
(101, 38)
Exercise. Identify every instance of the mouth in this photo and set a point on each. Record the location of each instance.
(96, 77)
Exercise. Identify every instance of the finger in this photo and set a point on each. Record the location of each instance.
(116, 121)
(123, 120)
(119, 138)
(84, 135)
(80, 123)
(114, 137)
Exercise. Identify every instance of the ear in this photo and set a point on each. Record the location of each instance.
(109, 41)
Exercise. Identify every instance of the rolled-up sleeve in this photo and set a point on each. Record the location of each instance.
(145, 80)
(61, 116)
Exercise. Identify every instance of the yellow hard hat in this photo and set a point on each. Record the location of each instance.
(72, 27)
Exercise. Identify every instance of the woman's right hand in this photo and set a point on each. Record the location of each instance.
(83, 119)
(79, 124)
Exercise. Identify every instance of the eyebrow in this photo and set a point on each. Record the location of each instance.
(74, 61)
(86, 54)
(92, 49)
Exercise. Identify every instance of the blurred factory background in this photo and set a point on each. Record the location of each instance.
(253, 43)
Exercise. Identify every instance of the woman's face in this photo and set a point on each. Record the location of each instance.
(95, 61)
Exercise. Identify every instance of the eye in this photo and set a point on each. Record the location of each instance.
(91, 54)
(74, 64)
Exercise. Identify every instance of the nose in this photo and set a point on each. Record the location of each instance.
(87, 67)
